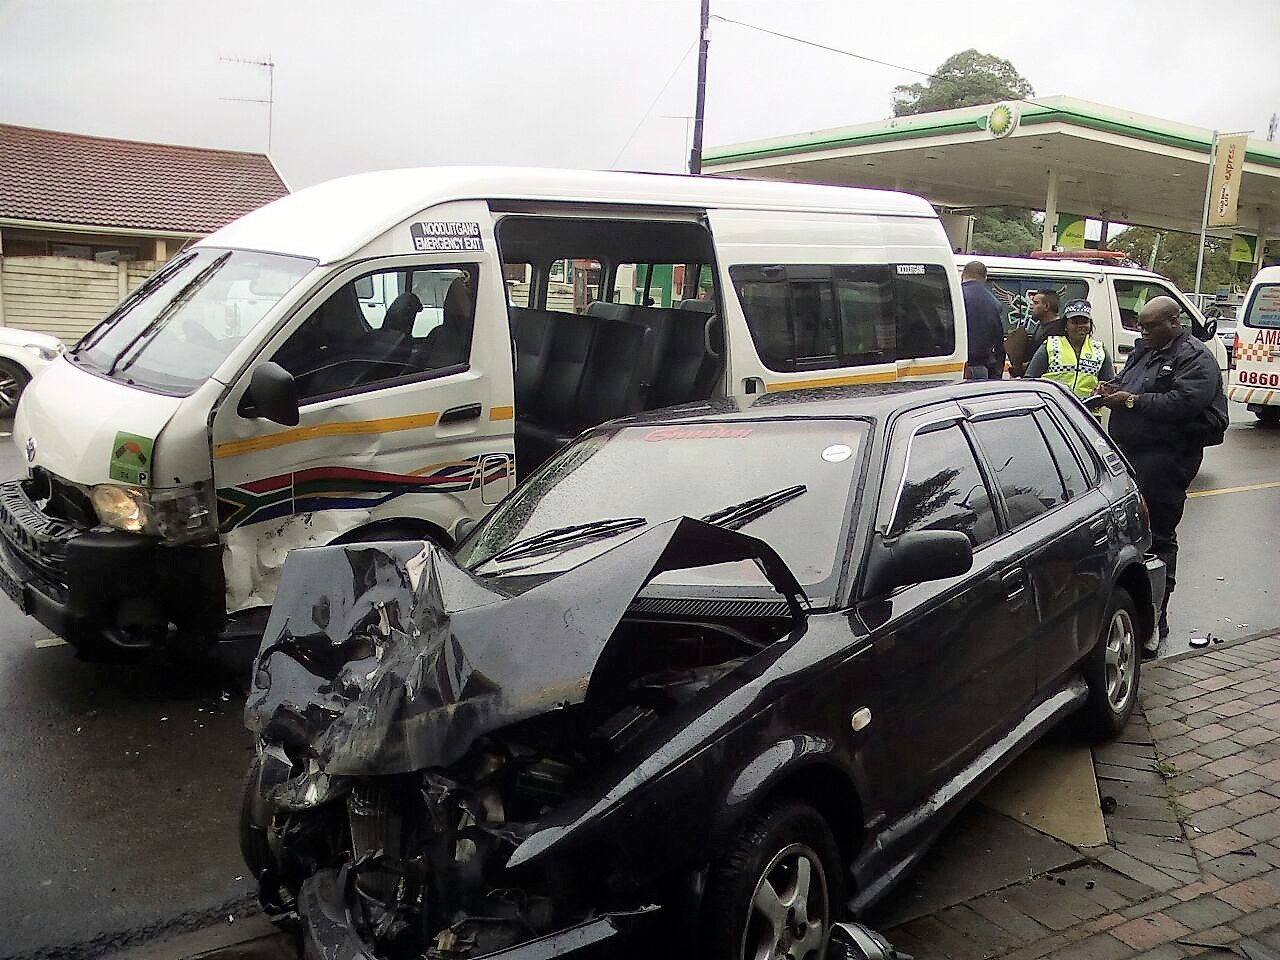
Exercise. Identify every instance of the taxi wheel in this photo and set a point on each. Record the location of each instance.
(1268, 414)
(775, 891)
(1113, 669)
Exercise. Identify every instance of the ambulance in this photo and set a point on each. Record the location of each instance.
(1255, 381)
(380, 357)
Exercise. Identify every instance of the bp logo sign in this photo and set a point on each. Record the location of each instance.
(1002, 120)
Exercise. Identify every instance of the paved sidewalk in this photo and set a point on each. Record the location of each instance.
(1195, 833)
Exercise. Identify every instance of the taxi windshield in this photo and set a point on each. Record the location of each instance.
(175, 330)
(787, 482)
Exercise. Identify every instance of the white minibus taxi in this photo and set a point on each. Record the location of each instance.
(1255, 381)
(380, 357)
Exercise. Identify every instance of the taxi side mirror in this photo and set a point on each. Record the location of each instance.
(272, 395)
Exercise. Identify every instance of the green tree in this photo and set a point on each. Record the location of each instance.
(1008, 231)
(965, 79)
(1175, 256)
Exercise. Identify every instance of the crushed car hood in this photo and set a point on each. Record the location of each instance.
(388, 658)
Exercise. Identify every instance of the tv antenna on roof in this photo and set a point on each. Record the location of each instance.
(270, 67)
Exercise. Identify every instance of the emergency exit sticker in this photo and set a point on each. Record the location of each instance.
(131, 459)
(446, 236)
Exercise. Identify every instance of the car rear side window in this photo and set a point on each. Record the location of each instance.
(1022, 466)
(943, 488)
(819, 316)
(1264, 307)
(1014, 294)
(1069, 468)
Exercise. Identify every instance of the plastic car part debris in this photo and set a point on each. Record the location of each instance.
(853, 941)
(1108, 804)
(1198, 643)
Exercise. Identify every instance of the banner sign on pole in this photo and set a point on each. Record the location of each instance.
(1227, 169)
(1243, 248)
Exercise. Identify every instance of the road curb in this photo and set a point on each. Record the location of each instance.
(1215, 647)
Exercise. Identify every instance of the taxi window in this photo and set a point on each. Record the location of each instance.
(1014, 295)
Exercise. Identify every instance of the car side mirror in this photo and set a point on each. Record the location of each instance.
(272, 395)
(853, 941)
(917, 557)
(1210, 327)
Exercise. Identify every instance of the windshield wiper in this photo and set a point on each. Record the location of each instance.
(560, 536)
(740, 514)
(151, 330)
(131, 301)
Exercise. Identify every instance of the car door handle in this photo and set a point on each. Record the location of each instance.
(457, 414)
(1100, 533)
(1125, 347)
(1014, 583)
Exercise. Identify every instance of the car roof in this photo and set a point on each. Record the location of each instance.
(1049, 265)
(866, 401)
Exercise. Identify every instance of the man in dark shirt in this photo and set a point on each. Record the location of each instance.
(1044, 323)
(982, 320)
(1167, 405)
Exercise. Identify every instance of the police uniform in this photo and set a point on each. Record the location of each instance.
(1178, 407)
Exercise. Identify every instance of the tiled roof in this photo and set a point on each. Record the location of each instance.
(68, 178)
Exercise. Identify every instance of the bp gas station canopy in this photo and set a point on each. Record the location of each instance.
(1055, 154)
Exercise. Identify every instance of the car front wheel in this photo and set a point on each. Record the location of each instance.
(1113, 668)
(13, 380)
(773, 894)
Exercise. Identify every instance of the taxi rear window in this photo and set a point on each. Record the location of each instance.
(1264, 307)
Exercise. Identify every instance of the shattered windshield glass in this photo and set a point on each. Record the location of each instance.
(174, 331)
(695, 470)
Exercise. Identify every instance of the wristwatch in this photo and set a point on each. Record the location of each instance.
(1128, 401)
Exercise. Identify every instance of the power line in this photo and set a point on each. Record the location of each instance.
(645, 116)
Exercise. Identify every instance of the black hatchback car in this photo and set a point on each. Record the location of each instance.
(724, 670)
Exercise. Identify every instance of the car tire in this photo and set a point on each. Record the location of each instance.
(253, 836)
(1268, 414)
(1114, 668)
(779, 884)
(13, 380)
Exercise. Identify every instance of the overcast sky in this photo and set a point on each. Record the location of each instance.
(587, 83)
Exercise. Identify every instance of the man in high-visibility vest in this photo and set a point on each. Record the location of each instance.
(1077, 360)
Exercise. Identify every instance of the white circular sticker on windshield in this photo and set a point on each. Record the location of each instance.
(836, 453)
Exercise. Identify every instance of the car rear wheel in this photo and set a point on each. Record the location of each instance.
(1113, 668)
(13, 380)
(774, 892)
(1268, 414)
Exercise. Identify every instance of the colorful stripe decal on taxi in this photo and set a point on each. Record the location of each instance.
(345, 488)
(349, 428)
(889, 376)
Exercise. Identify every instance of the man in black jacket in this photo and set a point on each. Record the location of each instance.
(982, 319)
(1167, 405)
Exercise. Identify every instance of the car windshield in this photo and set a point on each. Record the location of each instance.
(787, 482)
(1264, 307)
(175, 330)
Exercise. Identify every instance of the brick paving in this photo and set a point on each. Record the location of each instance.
(1193, 866)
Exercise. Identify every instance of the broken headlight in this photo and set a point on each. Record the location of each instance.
(176, 514)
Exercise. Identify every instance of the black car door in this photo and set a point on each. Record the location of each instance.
(952, 656)
(1058, 524)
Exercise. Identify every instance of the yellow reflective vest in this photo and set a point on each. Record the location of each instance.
(1078, 374)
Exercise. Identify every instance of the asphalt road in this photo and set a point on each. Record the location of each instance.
(121, 784)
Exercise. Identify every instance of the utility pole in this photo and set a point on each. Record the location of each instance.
(270, 67)
(704, 40)
(1204, 216)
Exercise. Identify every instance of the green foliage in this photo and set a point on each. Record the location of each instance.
(1176, 256)
(965, 79)
(1007, 231)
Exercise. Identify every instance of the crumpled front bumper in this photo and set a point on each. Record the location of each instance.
(329, 934)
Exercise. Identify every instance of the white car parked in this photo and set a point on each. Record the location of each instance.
(23, 354)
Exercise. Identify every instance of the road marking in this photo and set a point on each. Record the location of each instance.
(50, 642)
(1250, 486)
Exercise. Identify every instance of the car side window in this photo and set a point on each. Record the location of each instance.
(383, 326)
(1022, 466)
(1014, 294)
(943, 488)
(1073, 478)
(1133, 295)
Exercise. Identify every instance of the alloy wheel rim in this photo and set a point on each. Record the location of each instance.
(788, 913)
(1120, 653)
(8, 392)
